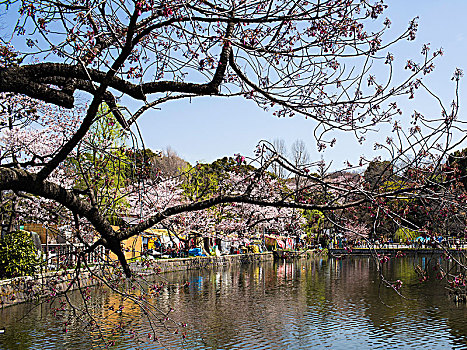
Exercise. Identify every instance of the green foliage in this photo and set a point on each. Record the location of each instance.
(402, 234)
(18, 255)
(204, 180)
(315, 221)
(102, 163)
(199, 182)
(108, 154)
(143, 161)
(396, 185)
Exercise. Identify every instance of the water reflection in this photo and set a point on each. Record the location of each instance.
(307, 304)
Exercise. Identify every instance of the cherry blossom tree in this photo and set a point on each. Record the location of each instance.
(288, 57)
(65, 61)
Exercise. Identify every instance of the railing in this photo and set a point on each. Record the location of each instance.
(65, 254)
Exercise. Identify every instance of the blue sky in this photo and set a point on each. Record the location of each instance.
(210, 128)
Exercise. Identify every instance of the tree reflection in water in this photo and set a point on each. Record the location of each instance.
(300, 305)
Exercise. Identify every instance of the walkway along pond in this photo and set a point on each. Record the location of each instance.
(395, 251)
(300, 304)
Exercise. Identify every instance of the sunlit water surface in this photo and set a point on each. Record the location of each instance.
(301, 305)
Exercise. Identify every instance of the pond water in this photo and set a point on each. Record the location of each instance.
(337, 304)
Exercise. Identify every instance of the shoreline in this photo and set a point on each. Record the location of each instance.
(30, 288)
(336, 252)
